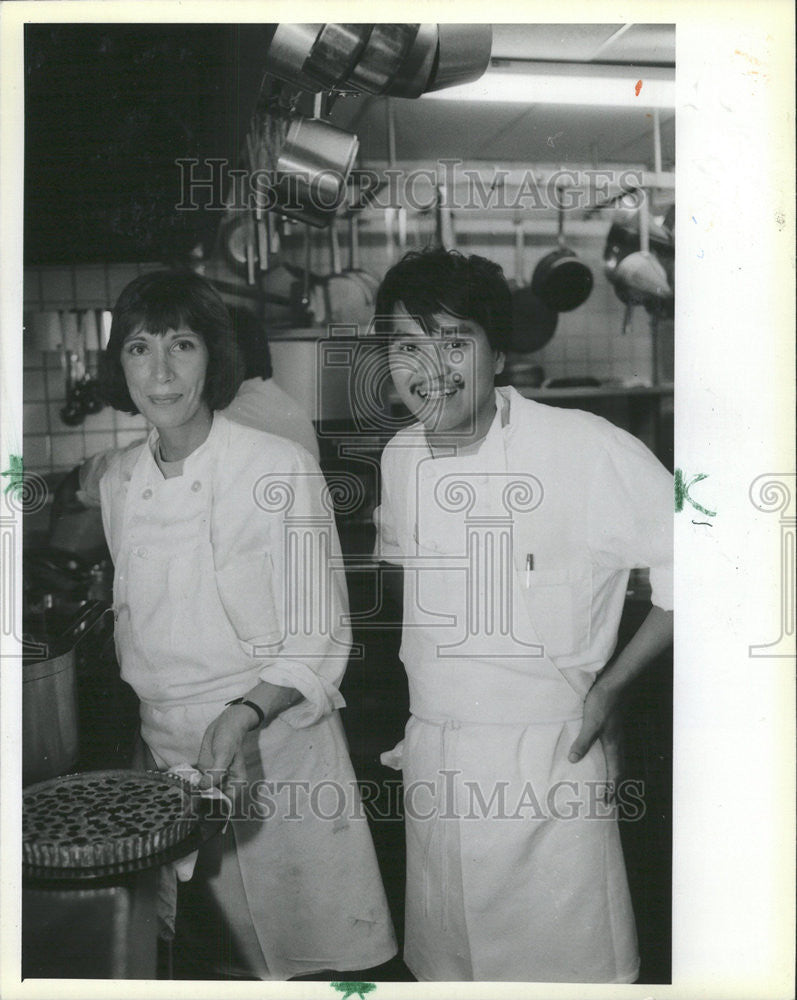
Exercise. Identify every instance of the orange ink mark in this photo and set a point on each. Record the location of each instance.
(638, 87)
(748, 57)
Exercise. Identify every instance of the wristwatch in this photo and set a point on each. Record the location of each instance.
(256, 708)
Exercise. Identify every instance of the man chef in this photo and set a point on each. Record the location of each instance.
(517, 525)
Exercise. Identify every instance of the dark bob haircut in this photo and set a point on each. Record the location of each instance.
(435, 280)
(168, 300)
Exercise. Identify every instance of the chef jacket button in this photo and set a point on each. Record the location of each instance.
(147, 494)
(196, 486)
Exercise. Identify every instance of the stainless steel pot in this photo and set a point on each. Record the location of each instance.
(312, 170)
(289, 50)
(49, 699)
(412, 77)
(363, 57)
(335, 52)
(382, 57)
(463, 54)
(399, 60)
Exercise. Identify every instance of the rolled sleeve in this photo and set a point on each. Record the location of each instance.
(282, 582)
(321, 696)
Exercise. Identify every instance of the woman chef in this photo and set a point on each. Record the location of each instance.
(516, 524)
(230, 628)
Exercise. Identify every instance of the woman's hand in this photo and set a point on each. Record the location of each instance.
(599, 706)
(221, 754)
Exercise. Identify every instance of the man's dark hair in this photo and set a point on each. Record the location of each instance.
(435, 280)
(168, 300)
(251, 340)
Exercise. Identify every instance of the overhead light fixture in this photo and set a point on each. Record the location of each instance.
(584, 84)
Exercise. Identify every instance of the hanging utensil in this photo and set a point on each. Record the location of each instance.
(301, 291)
(89, 337)
(395, 215)
(348, 299)
(444, 220)
(71, 412)
(639, 263)
(562, 281)
(533, 322)
(367, 280)
(257, 152)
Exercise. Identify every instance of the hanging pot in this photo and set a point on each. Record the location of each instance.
(412, 77)
(639, 278)
(623, 239)
(335, 51)
(562, 281)
(312, 170)
(289, 50)
(533, 322)
(388, 47)
(463, 54)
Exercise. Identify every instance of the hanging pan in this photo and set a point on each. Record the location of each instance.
(533, 322)
(562, 281)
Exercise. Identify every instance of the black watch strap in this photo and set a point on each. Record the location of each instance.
(256, 708)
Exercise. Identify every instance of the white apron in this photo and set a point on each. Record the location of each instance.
(514, 863)
(289, 896)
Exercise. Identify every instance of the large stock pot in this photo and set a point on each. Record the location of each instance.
(50, 737)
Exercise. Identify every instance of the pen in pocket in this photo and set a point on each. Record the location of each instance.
(529, 568)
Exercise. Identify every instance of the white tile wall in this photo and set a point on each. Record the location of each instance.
(588, 340)
(49, 445)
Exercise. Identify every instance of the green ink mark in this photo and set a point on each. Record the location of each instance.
(349, 989)
(682, 493)
(15, 474)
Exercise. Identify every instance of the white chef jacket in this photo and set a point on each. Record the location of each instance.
(225, 575)
(259, 403)
(262, 404)
(516, 555)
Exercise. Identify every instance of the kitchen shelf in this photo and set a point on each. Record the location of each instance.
(579, 392)
(282, 333)
(596, 392)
